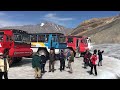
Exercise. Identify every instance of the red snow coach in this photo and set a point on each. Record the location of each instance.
(15, 44)
(78, 44)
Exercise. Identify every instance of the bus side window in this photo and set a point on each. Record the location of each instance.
(46, 39)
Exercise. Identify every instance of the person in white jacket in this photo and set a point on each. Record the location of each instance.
(4, 66)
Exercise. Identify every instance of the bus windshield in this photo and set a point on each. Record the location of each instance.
(1, 36)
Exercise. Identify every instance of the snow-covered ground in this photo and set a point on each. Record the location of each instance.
(111, 50)
(109, 70)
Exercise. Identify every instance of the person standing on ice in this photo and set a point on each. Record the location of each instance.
(87, 58)
(52, 58)
(62, 60)
(67, 57)
(36, 64)
(93, 60)
(100, 57)
(70, 61)
(43, 62)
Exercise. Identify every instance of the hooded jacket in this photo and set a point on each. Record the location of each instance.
(36, 61)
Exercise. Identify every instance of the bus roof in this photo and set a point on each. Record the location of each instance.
(75, 36)
(45, 33)
(14, 30)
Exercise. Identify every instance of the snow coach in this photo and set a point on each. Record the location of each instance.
(78, 44)
(42, 42)
(15, 44)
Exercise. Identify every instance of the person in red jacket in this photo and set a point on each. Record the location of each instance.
(87, 58)
(93, 60)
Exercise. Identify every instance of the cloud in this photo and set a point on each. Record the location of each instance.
(4, 23)
(2, 14)
(54, 17)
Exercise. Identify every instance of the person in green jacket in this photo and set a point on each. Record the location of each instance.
(36, 64)
(70, 61)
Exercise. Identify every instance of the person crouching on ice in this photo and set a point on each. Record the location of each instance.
(93, 61)
(4, 66)
(36, 64)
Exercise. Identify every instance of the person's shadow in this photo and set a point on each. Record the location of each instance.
(88, 72)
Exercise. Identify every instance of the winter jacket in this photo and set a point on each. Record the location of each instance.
(43, 59)
(87, 57)
(61, 56)
(94, 59)
(4, 67)
(36, 61)
(52, 57)
(100, 55)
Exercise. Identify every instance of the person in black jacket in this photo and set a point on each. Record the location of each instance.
(62, 60)
(43, 62)
(100, 57)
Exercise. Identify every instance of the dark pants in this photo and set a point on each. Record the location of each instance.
(43, 68)
(62, 65)
(5, 74)
(51, 65)
(86, 63)
(100, 62)
(95, 70)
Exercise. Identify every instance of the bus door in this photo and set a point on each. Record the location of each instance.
(7, 42)
(54, 41)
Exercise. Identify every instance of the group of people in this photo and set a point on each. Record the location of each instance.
(90, 60)
(39, 61)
